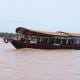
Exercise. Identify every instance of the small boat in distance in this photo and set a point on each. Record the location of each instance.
(27, 38)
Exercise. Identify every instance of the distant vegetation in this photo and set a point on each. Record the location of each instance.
(4, 34)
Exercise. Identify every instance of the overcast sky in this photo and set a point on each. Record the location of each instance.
(45, 15)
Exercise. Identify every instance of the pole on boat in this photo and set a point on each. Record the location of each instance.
(17, 35)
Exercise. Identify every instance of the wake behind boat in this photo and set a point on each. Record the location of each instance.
(27, 38)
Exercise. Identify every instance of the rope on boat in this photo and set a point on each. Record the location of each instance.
(5, 40)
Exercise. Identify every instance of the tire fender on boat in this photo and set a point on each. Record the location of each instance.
(5, 40)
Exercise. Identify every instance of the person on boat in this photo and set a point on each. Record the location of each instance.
(22, 39)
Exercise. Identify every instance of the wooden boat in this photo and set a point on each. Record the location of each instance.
(27, 38)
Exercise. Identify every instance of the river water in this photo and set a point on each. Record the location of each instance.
(36, 64)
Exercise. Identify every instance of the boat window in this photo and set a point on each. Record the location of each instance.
(33, 38)
(28, 37)
(43, 40)
(57, 41)
(19, 36)
(50, 40)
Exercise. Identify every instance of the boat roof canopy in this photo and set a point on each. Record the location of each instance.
(25, 31)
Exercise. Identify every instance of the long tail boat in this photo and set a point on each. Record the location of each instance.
(27, 38)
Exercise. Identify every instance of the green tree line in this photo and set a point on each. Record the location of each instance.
(4, 34)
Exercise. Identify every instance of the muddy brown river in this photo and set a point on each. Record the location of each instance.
(36, 64)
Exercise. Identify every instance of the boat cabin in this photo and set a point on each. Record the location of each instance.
(47, 38)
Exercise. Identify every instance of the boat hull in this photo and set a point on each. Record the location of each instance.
(19, 44)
